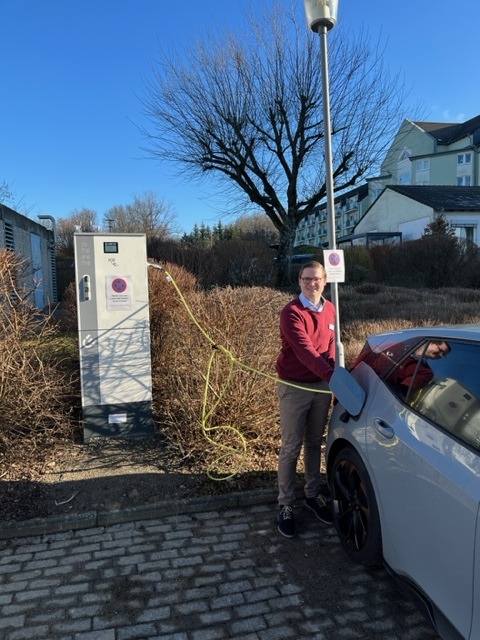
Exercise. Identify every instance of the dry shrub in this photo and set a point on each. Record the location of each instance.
(237, 330)
(68, 316)
(34, 390)
(232, 331)
(416, 306)
(228, 335)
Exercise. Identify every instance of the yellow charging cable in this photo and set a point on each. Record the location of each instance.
(207, 429)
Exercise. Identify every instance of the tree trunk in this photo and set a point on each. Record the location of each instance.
(284, 254)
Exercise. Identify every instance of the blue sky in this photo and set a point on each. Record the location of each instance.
(72, 72)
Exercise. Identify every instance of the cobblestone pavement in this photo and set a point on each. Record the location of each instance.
(212, 575)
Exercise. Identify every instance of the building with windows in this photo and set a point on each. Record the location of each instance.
(349, 207)
(423, 154)
(408, 209)
(36, 245)
(432, 153)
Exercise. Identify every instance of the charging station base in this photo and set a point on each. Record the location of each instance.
(128, 421)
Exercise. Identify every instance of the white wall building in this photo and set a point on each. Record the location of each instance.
(423, 154)
(36, 244)
(409, 209)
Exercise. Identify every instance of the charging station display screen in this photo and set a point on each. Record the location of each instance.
(110, 247)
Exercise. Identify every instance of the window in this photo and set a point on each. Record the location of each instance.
(382, 361)
(466, 232)
(440, 380)
(422, 165)
(464, 158)
(464, 181)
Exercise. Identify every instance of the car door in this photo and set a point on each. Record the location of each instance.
(426, 473)
(475, 632)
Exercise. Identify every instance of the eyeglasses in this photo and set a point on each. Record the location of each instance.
(314, 280)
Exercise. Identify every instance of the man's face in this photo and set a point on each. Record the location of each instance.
(436, 350)
(312, 283)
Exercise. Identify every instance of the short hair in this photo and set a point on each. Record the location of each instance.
(313, 264)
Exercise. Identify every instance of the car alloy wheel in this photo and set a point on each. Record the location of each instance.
(355, 508)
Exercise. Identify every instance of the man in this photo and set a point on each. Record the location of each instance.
(305, 363)
(414, 373)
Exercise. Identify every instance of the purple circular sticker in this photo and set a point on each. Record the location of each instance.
(119, 285)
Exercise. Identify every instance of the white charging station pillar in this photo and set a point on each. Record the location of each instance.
(114, 334)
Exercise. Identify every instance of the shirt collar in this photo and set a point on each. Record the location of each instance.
(309, 305)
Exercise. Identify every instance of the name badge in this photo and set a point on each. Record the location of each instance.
(331, 327)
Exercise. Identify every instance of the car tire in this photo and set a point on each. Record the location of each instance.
(355, 508)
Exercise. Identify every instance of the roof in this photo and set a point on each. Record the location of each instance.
(450, 331)
(440, 198)
(449, 132)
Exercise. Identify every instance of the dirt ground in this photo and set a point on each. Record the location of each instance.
(110, 474)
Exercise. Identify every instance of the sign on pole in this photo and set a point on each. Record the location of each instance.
(334, 265)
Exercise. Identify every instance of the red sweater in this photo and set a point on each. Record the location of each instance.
(308, 343)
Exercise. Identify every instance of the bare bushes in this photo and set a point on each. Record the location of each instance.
(206, 365)
(236, 262)
(358, 265)
(435, 261)
(33, 389)
(209, 348)
(370, 303)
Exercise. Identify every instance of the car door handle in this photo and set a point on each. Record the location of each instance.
(384, 429)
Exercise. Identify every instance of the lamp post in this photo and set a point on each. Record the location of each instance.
(321, 17)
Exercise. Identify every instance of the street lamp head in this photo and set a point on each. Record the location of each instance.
(321, 13)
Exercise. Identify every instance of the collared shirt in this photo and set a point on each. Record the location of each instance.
(308, 304)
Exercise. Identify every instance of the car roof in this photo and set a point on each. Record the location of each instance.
(450, 332)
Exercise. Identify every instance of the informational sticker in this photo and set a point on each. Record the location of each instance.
(119, 293)
(117, 418)
(334, 265)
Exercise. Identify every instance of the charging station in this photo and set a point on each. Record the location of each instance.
(114, 334)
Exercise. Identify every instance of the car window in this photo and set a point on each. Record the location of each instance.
(440, 380)
(384, 357)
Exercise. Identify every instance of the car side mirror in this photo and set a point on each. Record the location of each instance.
(347, 391)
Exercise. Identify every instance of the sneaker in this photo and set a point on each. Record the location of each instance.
(325, 492)
(320, 508)
(286, 525)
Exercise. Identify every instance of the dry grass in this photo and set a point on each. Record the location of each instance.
(244, 322)
(36, 384)
(201, 385)
(213, 356)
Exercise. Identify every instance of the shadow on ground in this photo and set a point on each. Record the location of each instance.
(24, 500)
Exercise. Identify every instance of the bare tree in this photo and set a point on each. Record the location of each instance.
(247, 109)
(8, 195)
(6, 192)
(146, 214)
(79, 220)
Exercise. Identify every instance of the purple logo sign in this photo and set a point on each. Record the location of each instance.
(119, 285)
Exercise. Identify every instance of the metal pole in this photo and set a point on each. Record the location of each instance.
(322, 32)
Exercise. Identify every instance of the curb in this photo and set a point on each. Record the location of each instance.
(73, 522)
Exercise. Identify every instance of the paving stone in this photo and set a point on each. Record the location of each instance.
(200, 575)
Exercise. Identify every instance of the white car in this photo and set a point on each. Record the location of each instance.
(404, 468)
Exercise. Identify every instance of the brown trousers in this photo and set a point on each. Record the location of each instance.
(303, 417)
